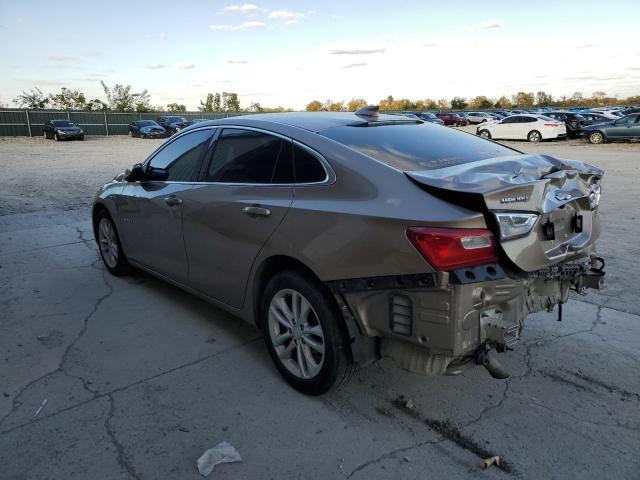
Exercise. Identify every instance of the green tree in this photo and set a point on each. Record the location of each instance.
(430, 104)
(34, 99)
(68, 100)
(332, 106)
(255, 107)
(577, 98)
(314, 106)
(230, 102)
(599, 97)
(523, 99)
(176, 107)
(443, 104)
(96, 105)
(459, 103)
(121, 99)
(208, 104)
(356, 104)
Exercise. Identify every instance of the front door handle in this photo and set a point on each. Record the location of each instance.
(173, 201)
(254, 211)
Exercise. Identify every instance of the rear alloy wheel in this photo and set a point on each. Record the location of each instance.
(302, 332)
(534, 136)
(109, 244)
(596, 137)
(485, 134)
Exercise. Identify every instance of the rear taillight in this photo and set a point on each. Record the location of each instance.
(551, 124)
(451, 248)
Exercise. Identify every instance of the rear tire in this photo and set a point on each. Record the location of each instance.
(596, 138)
(485, 134)
(534, 136)
(304, 333)
(57, 137)
(109, 245)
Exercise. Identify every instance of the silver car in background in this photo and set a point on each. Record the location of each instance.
(347, 237)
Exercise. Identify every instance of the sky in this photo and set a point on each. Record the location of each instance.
(287, 53)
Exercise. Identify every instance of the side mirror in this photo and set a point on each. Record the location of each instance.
(157, 174)
(136, 174)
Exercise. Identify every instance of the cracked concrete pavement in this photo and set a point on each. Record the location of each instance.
(140, 378)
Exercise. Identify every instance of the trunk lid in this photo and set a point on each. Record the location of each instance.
(557, 190)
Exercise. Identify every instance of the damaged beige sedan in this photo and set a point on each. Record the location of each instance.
(347, 237)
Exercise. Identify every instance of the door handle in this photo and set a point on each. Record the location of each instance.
(173, 201)
(254, 211)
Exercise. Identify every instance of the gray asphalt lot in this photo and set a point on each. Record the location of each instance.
(140, 378)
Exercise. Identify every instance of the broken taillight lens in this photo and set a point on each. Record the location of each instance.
(451, 248)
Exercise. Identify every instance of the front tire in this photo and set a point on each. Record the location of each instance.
(534, 136)
(485, 134)
(57, 137)
(109, 245)
(304, 333)
(596, 138)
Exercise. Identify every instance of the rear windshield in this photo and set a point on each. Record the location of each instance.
(417, 146)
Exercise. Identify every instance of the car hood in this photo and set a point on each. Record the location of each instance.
(556, 189)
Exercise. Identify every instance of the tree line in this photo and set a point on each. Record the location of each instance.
(519, 100)
(121, 98)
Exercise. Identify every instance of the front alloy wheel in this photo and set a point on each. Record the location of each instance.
(596, 137)
(485, 134)
(109, 244)
(534, 136)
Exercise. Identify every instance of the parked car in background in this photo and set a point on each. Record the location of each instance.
(285, 221)
(193, 122)
(533, 128)
(479, 117)
(172, 123)
(573, 121)
(62, 130)
(625, 128)
(429, 117)
(592, 118)
(146, 129)
(451, 118)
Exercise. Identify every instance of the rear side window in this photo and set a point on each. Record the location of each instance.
(308, 168)
(247, 156)
(417, 146)
(181, 157)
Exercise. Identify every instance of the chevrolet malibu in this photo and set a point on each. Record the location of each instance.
(349, 237)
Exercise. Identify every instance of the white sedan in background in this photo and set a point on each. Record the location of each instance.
(533, 128)
(479, 117)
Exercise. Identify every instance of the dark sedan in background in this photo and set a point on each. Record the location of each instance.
(625, 128)
(429, 117)
(573, 121)
(172, 123)
(146, 129)
(62, 130)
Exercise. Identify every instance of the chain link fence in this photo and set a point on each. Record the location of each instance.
(29, 123)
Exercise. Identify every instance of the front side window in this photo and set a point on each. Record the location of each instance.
(181, 157)
(247, 156)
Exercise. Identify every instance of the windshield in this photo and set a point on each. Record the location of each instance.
(176, 119)
(63, 123)
(147, 123)
(428, 115)
(417, 146)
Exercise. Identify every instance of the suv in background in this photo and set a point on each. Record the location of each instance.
(172, 123)
(451, 118)
(573, 121)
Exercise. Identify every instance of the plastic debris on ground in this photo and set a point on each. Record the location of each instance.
(487, 462)
(224, 452)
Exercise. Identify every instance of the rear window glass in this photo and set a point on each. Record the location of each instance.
(417, 147)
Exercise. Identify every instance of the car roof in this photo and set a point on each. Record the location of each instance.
(312, 121)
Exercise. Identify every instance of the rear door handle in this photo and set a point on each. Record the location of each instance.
(173, 201)
(254, 211)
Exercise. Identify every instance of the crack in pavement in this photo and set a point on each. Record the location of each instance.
(63, 359)
(123, 459)
(391, 454)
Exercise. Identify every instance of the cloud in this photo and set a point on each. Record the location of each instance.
(586, 45)
(356, 51)
(354, 65)
(243, 26)
(246, 9)
(285, 15)
(238, 62)
(62, 59)
(185, 66)
(491, 24)
(155, 66)
(291, 22)
(429, 45)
